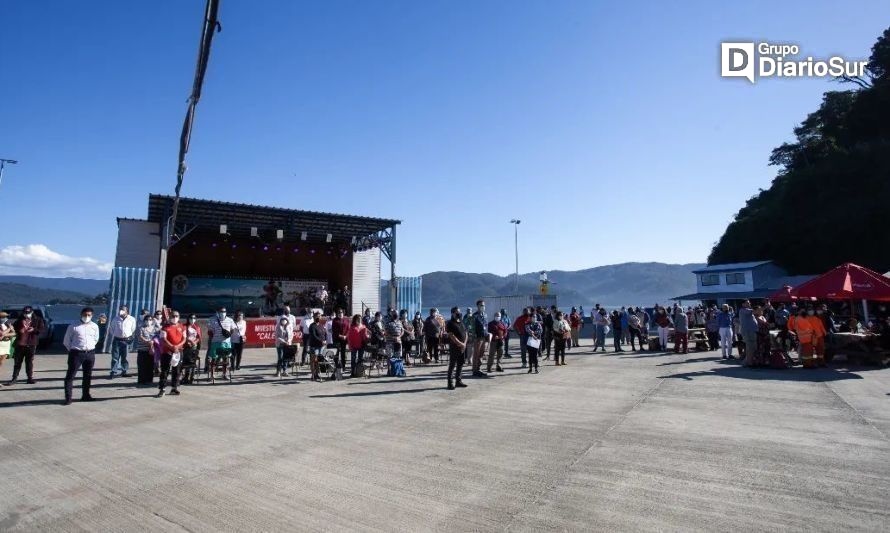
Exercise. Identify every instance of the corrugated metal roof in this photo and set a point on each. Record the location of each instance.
(758, 293)
(241, 217)
(791, 281)
(731, 266)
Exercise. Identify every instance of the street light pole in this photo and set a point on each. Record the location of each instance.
(3, 164)
(516, 223)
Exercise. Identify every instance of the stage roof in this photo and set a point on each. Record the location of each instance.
(239, 218)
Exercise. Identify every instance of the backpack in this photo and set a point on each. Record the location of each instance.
(396, 368)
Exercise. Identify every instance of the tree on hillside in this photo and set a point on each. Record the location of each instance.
(828, 203)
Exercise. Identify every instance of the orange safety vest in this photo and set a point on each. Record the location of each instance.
(805, 330)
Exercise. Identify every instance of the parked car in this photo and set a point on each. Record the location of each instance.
(46, 336)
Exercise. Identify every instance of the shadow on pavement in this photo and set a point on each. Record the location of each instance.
(695, 360)
(58, 401)
(376, 393)
(791, 374)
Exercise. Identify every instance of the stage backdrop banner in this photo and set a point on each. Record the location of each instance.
(253, 296)
(261, 331)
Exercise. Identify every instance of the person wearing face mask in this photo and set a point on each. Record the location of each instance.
(481, 334)
(819, 334)
(80, 341)
(122, 329)
(158, 320)
(508, 323)
(457, 343)
(431, 333)
(145, 360)
(498, 331)
(467, 317)
(239, 333)
(519, 327)
(7, 337)
(417, 324)
(28, 329)
(219, 332)
(284, 335)
(602, 321)
(173, 339)
(304, 326)
(533, 331)
(317, 342)
(339, 330)
(191, 350)
(748, 328)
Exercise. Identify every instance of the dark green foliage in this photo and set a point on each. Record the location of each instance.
(830, 201)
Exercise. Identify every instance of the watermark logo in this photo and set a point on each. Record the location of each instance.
(754, 61)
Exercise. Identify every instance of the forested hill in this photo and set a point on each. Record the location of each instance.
(622, 284)
(830, 201)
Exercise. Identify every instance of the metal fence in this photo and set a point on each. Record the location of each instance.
(409, 294)
(134, 287)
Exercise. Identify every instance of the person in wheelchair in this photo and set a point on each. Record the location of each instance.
(220, 332)
(317, 342)
(191, 351)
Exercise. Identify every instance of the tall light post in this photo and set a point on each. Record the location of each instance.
(3, 164)
(516, 223)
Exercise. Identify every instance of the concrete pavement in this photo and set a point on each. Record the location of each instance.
(631, 441)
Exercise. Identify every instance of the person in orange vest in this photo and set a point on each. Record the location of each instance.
(819, 334)
(803, 328)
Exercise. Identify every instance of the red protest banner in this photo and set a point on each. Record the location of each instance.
(261, 331)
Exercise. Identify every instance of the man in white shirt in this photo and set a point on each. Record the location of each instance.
(121, 329)
(306, 321)
(80, 341)
(291, 319)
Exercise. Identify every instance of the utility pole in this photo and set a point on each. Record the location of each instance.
(516, 223)
(3, 164)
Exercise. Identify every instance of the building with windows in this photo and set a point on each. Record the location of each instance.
(733, 282)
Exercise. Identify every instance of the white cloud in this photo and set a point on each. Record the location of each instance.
(38, 260)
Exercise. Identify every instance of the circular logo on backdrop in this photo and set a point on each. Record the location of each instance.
(180, 283)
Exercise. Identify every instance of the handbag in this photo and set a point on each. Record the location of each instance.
(533, 343)
(225, 333)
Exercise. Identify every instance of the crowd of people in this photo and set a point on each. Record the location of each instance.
(170, 348)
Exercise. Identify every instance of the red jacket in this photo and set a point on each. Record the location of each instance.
(519, 324)
(497, 329)
(356, 335)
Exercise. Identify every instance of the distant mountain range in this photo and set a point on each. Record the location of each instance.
(34, 290)
(621, 284)
(89, 287)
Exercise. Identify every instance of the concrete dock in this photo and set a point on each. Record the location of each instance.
(636, 441)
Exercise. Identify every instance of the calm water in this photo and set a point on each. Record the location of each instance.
(68, 313)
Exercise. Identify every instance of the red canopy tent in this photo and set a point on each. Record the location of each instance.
(845, 282)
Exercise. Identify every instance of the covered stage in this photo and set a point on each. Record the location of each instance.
(257, 258)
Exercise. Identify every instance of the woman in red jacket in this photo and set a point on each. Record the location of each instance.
(356, 336)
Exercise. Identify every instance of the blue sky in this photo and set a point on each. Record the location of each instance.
(605, 127)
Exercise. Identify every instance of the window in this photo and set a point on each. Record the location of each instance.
(736, 278)
(710, 279)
